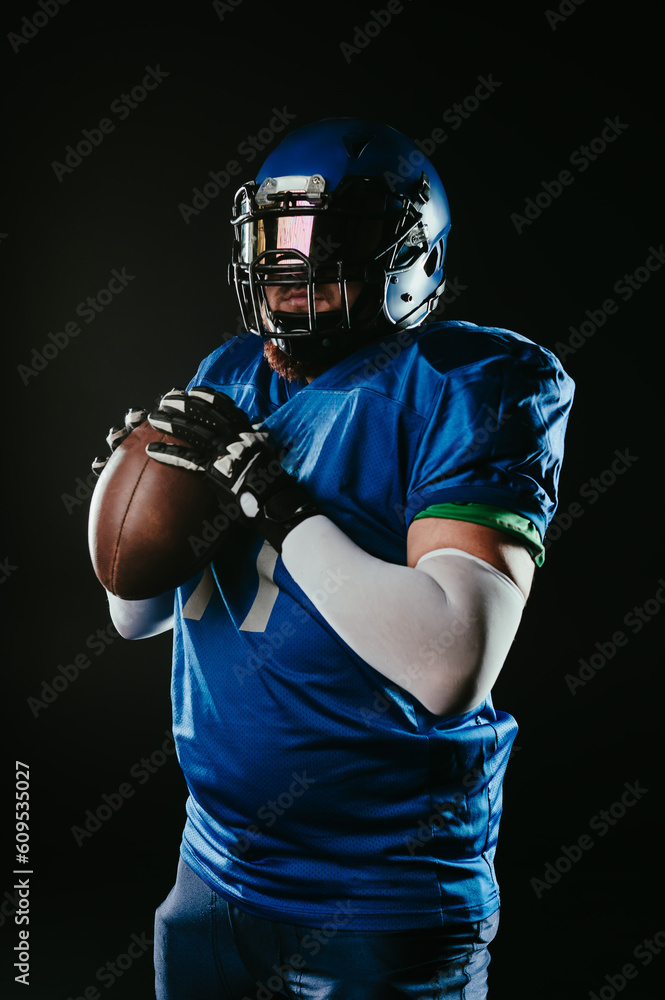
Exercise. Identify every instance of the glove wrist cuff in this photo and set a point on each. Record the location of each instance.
(282, 512)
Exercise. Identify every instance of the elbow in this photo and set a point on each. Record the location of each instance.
(127, 631)
(137, 629)
(141, 619)
(455, 685)
(125, 626)
(447, 700)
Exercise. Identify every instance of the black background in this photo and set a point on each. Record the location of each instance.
(120, 208)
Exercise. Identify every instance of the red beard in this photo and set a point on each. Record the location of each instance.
(300, 370)
(290, 369)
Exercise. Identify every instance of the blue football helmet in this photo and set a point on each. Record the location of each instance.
(340, 200)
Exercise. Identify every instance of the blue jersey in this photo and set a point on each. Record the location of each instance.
(319, 789)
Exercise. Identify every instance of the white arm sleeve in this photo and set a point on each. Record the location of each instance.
(441, 630)
(141, 619)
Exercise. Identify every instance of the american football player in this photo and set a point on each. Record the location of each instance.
(333, 665)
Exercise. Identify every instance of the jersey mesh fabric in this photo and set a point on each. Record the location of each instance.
(319, 790)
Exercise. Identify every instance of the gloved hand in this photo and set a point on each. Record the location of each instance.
(117, 435)
(237, 459)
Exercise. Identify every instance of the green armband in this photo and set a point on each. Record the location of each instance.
(494, 517)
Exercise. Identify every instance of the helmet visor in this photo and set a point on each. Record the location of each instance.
(324, 238)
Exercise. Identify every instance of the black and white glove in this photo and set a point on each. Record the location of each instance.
(237, 459)
(117, 435)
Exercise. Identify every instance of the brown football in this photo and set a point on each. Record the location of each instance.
(151, 526)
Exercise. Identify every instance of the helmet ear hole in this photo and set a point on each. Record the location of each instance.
(433, 260)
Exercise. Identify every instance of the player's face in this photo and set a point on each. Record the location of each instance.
(327, 297)
(293, 299)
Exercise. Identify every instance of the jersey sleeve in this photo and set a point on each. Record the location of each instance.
(495, 435)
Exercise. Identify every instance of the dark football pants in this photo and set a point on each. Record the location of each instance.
(207, 949)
